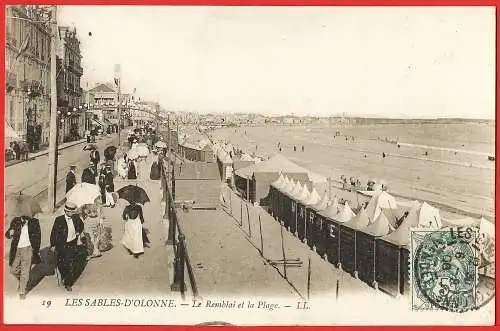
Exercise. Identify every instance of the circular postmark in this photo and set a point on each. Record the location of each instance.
(446, 269)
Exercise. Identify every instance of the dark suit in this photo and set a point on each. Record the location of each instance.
(88, 175)
(70, 181)
(95, 157)
(34, 233)
(69, 263)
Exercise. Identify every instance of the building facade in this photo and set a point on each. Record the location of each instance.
(72, 117)
(27, 93)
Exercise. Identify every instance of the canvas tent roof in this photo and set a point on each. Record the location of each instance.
(417, 217)
(322, 204)
(297, 189)
(346, 214)
(332, 210)
(380, 227)
(313, 199)
(429, 216)
(278, 183)
(304, 194)
(287, 186)
(379, 201)
(278, 163)
(359, 221)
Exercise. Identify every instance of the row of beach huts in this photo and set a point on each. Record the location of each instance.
(370, 242)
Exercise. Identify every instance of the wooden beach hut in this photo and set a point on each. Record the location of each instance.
(259, 176)
(392, 252)
(285, 209)
(331, 231)
(293, 197)
(310, 230)
(318, 235)
(275, 193)
(366, 248)
(301, 212)
(347, 240)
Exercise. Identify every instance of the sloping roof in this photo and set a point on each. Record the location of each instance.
(304, 194)
(346, 214)
(323, 204)
(401, 236)
(102, 88)
(313, 198)
(380, 227)
(278, 183)
(332, 210)
(379, 201)
(359, 221)
(277, 163)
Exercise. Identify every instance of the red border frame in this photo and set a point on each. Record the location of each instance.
(493, 3)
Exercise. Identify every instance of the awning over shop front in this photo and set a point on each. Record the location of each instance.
(96, 122)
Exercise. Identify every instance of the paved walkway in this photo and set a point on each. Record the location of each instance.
(116, 272)
(45, 151)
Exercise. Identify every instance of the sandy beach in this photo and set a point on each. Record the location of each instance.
(455, 174)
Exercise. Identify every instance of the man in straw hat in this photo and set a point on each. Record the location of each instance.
(63, 238)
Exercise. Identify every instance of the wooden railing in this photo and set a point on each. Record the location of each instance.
(181, 261)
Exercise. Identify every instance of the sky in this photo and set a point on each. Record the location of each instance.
(321, 61)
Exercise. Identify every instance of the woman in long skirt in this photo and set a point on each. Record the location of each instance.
(93, 225)
(122, 166)
(132, 170)
(133, 233)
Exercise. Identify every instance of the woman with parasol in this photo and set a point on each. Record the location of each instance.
(134, 238)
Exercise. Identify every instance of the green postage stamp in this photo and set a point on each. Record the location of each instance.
(445, 266)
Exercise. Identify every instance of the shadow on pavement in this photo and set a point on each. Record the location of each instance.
(49, 264)
(44, 268)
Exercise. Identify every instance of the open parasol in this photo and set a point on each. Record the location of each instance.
(89, 147)
(83, 194)
(161, 144)
(133, 193)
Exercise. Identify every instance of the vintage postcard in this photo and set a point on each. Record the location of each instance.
(199, 165)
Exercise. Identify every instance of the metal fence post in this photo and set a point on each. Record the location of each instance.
(182, 261)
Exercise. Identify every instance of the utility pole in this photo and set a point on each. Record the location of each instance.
(51, 188)
(119, 109)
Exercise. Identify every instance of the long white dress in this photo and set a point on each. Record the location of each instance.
(122, 168)
(132, 236)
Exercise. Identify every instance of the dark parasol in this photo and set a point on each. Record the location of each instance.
(133, 194)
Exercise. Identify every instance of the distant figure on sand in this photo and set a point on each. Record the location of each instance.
(294, 148)
(302, 148)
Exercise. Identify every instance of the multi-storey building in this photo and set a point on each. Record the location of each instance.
(69, 93)
(27, 93)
